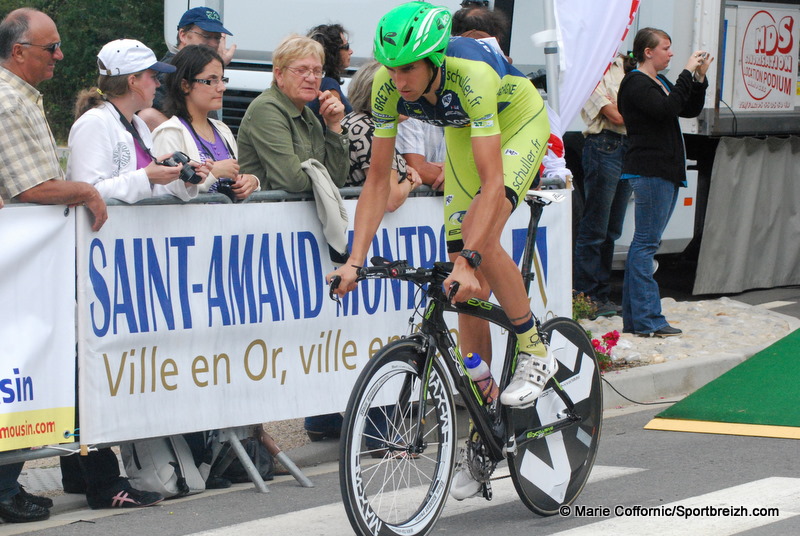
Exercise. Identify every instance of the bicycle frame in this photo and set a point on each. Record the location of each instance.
(435, 336)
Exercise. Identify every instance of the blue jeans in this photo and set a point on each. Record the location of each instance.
(8, 480)
(655, 200)
(605, 201)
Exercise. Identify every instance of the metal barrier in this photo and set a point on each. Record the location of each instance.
(232, 435)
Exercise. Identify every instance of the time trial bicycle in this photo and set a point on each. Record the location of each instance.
(399, 439)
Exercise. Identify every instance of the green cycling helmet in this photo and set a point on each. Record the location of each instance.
(411, 32)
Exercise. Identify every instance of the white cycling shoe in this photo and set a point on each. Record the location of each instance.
(529, 379)
(464, 485)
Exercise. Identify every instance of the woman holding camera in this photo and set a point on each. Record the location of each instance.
(109, 145)
(654, 165)
(192, 91)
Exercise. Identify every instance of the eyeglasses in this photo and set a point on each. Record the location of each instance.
(211, 81)
(345, 46)
(303, 72)
(51, 48)
(208, 37)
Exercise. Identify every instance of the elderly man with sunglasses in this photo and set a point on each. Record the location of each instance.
(30, 172)
(29, 169)
(198, 26)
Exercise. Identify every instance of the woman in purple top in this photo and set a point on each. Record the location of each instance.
(192, 91)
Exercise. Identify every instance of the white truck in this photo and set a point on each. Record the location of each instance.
(752, 86)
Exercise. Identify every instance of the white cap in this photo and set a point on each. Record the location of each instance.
(128, 56)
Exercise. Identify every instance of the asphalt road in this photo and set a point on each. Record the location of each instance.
(644, 482)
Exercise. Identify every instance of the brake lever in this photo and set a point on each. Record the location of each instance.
(452, 291)
(335, 280)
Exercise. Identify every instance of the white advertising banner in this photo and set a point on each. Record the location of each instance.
(766, 68)
(37, 326)
(198, 317)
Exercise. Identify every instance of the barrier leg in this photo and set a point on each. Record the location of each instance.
(278, 454)
(230, 435)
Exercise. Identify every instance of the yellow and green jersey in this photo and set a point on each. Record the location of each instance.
(480, 90)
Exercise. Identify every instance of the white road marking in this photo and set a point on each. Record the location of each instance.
(776, 492)
(775, 304)
(331, 519)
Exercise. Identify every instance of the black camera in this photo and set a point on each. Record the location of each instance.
(187, 171)
(225, 186)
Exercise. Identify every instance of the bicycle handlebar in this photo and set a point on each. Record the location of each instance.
(385, 269)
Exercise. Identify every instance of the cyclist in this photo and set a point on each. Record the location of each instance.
(496, 132)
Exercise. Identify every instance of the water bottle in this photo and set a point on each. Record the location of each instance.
(480, 373)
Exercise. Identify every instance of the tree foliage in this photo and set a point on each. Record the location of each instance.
(85, 26)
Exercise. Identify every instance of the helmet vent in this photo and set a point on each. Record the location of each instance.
(408, 36)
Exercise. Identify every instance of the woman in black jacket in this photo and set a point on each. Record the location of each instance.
(655, 165)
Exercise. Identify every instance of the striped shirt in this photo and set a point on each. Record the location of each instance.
(28, 155)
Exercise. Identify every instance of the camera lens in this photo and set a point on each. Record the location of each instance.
(188, 175)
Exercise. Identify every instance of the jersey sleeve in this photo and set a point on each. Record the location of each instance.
(384, 104)
(480, 91)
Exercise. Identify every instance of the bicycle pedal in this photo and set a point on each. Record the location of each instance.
(511, 444)
(486, 491)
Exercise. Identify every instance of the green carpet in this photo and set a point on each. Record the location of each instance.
(762, 391)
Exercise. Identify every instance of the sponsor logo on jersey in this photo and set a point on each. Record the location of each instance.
(415, 109)
(447, 98)
(381, 97)
(463, 81)
(510, 152)
(507, 89)
(457, 217)
(482, 124)
(527, 170)
(448, 199)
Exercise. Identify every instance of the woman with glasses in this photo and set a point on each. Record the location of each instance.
(110, 147)
(336, 45)
(192, 91)
(278, 132)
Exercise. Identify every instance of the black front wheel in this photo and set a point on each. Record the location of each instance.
(551, 468)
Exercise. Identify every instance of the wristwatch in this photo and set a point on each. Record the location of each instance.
(472, 256)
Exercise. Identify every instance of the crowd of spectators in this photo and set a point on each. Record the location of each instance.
(302, 133)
